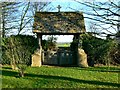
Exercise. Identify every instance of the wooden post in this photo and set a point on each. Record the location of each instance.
(39, 41)
(58, 58)
(75, 54)
(43, 57)
(39, 36)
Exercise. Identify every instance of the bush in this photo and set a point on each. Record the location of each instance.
(99, 51)
(50, 43)
(21, 45)
(115, 54)
(18, 50)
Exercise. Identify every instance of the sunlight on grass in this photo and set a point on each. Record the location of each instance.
(61, 77)
(63, 45)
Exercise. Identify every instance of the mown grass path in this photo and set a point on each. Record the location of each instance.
(62, 77)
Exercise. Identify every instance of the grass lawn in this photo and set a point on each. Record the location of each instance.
(63, 45)
(62, 77)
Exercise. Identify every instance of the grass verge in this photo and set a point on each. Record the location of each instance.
(61, 77)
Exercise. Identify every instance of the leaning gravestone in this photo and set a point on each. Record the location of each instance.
(36, 59)
(82, 58)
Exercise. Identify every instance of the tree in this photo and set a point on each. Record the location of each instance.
(104, 19)
(17, 18)
(8, 16)
(52, 42)
(105, 14)
(18, 50)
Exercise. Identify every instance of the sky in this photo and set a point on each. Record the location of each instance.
(70, 5)
(66, 6)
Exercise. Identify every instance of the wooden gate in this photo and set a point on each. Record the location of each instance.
(59, 57)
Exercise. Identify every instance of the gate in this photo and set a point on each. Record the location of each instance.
(61, 56)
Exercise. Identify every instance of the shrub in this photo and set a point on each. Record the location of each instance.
(21, 45)
(18, 50)
(115, 54)
(50, 43)
(99, 51)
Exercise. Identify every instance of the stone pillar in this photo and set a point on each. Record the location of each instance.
(81, 55)
(36, 59)
(82, 58)
(37, 56)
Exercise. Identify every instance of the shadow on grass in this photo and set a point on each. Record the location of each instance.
(12, 74)
(74, 80)
(6, 68)
(9, 73)
(101, 69)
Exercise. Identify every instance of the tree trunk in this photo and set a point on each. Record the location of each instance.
(21, 73)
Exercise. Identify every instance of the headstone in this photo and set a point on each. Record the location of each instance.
(36, 59)
(82, 58)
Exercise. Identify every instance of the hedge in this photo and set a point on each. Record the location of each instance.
(100, 51)
(23, 46)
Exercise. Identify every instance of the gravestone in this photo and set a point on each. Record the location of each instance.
(82, 58)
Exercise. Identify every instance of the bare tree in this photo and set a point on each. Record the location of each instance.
(8, 16)
(23, 17)
(27, 15)
(105, 14)
(17, 18)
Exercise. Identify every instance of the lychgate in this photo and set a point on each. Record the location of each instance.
(57, 23)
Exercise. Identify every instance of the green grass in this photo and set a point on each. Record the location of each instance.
(61, 77)
(63, 45)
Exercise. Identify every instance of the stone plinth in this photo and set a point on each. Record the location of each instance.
(82, 58)
(36, 60)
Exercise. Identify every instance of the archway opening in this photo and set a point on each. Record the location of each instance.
(61, 53)
(60, 40)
